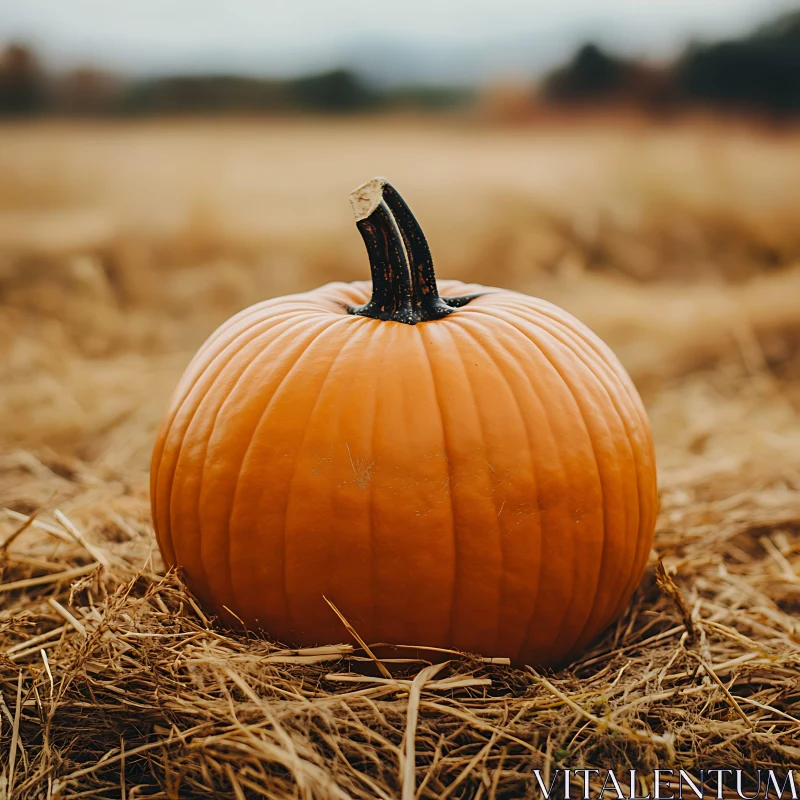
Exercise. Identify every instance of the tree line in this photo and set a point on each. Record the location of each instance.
(26, 89)
(756, 73)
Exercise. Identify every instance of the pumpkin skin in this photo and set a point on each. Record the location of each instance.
(484, 481)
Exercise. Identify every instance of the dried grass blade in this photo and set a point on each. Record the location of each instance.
(12, 754)
(53, 577)
(771, 710)
(730, 698)
(38, 524)
(18, 532)
(409, 769)
(95, 552)
(352, 631)
(42, 637)
(62, 612)
(237, 789)
(49, 672)
(670, 588)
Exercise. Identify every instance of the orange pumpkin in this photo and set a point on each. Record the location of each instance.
(454, 466)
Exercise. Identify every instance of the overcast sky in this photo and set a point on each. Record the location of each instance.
(152, 36)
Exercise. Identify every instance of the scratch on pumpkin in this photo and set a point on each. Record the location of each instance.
(361, 469)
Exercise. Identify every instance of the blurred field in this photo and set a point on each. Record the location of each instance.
(122, 246)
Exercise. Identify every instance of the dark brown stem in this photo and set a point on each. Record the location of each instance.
(392, 291)
(403, 280)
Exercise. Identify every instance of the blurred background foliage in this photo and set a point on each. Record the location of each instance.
(755, 73)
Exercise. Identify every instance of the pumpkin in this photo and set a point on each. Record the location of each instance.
(453, 466)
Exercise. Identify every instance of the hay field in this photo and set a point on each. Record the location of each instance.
(122, 246)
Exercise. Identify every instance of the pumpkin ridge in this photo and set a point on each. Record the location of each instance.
(547, 516)
(644, 505)
(482, 428)
(526, 380)
(542, 517)
(548, 531)
(168, 490)
(577, 387)
(588, 339)
(285, 308)
(176, 407)
(597, 354)
(383, 340)
(541, 347)
(343, 294)
(466, 324)
(584, 356)
(581, 387)
(426, 340)
(334, 392)
(578, 345)
(591, 346)
(345, 321)
(293, 332)
(191, 378)
(252, 534)
(602, 354)
(514, 329)
(286, 333)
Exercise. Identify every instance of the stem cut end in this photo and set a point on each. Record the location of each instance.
(367, 197)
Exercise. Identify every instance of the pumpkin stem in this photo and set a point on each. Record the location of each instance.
(392, 292)
(423, 278)
(403, 281)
